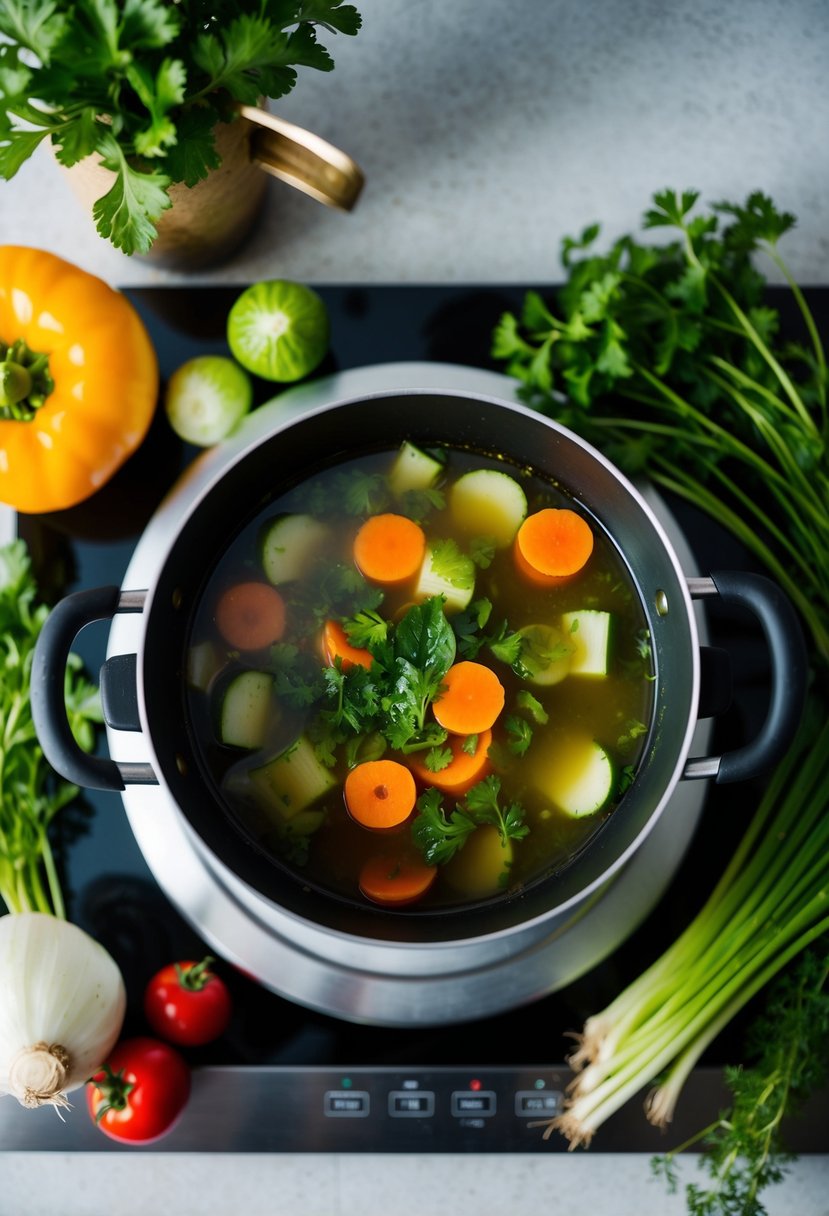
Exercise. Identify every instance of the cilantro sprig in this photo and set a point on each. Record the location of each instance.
(142, 83)
(439, 836)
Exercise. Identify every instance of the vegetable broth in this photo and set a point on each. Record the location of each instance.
(573, 660)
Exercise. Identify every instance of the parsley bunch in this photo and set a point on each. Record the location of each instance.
(667, 356)
(142, 83)
(31, 794)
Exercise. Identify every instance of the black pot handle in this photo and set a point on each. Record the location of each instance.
(59, 631)
(789, 675)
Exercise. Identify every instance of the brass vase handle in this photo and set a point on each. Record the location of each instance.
(303, 159)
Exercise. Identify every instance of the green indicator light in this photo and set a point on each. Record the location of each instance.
(539, 1084)
(346, 1082)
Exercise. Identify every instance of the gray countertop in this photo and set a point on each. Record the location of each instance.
(487, 131)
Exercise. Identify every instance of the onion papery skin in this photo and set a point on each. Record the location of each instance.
(59, 989)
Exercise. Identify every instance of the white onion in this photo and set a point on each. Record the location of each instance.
(62, 1003)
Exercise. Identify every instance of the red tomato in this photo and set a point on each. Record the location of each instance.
(187, 1003)
(140, 1092)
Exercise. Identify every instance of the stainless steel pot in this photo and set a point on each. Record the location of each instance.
(367, 964)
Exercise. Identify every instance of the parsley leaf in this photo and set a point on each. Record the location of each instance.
(437, 837)
(366, 629)
(521, 734)
(451, 565)
(482, 805)
(128, 211)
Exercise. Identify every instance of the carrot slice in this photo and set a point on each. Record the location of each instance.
(335, 645)
(389, 549)
(462, 771)
(552, 545)
(380, 793)
(471, 699)
(392, 881)
(250, 616)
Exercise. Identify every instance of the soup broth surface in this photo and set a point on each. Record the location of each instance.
(281, 715)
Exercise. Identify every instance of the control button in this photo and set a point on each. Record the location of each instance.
(468, 1103)
(411, 1104)
(531, 1103)
(346, 1104)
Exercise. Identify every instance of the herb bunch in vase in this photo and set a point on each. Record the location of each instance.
(154, 108)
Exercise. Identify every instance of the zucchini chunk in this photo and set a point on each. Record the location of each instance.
(588, 632)
(290, 544)
(482, 866)
(489, 503)
(292, 781)
(546, 655)
(448, 572)
(577, 776)
(204, 662)
(247, 709)
(413, 469)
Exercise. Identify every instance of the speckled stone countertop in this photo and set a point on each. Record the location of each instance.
(487, 131)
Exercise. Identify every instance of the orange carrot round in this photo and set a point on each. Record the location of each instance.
(463, 771)
(380, 794)
(392, 880)
(250, 616)
(552, 545)
(335, 645)
(389, 549)
(471, 699)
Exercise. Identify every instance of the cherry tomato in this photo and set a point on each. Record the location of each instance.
(140, 1092)
(187, 1003)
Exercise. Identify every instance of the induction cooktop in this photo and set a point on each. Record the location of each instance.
(288, 1079)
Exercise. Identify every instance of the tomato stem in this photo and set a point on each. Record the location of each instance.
(197, 977)
(115, 1089)
(25, 381)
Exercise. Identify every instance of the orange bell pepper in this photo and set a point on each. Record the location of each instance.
(78, 381)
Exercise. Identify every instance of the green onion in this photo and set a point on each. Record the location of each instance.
(771, 902)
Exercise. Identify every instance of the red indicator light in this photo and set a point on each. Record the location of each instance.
(475, 1085)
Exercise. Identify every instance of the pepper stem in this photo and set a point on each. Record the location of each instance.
(25, 381)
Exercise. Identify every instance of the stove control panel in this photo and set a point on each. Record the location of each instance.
(397, 1110)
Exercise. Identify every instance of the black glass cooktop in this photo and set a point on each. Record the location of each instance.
(288, 1061)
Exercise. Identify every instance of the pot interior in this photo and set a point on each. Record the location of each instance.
(326, 437)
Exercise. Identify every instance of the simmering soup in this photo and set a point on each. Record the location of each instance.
(421, 679)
